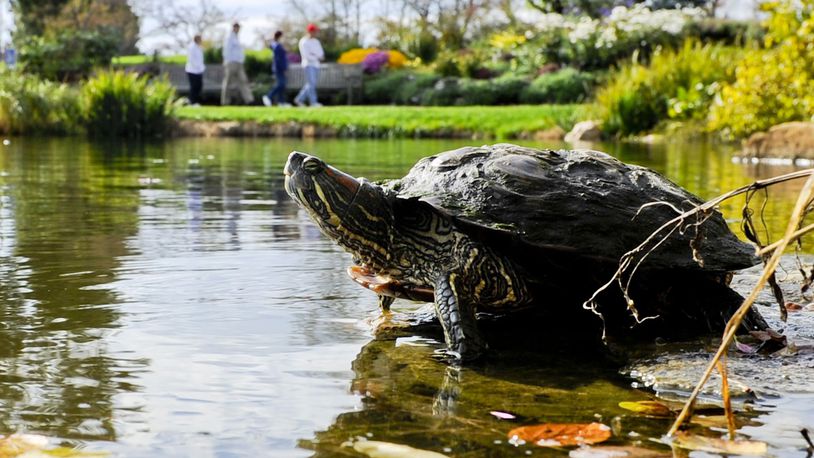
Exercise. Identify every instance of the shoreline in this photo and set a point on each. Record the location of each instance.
(299, 129)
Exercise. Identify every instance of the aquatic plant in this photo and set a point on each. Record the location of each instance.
(119, 104)
(30, 104)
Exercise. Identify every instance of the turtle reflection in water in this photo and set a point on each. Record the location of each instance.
(495, 229)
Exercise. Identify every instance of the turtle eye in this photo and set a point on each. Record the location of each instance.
(312, 165)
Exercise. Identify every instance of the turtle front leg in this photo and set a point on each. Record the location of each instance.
(385, 302)
(457, 315)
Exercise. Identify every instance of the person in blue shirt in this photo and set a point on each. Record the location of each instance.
(279, 66)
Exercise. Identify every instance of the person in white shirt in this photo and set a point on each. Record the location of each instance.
(233, 69)
(195, 68)
(311, 53)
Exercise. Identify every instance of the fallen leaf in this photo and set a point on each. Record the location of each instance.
(611, 451)
(378, 449)
(718, 445)
(562, 434)
(652, 408)
(745, 348)
(502, 415)
(793, 306)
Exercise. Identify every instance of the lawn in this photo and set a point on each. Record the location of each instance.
(491, 121)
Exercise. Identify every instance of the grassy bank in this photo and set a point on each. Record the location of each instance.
(375, 121)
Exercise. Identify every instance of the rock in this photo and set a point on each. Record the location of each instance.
(585, 131)
(788, 140)
(555, 133)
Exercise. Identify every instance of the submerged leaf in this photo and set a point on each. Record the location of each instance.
(379, 449)
(562, 434)
(652, 408)
(718, 445)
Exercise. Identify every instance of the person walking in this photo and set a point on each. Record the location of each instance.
(195, 69)
(233, 58)
(279, 66)
(312, 53)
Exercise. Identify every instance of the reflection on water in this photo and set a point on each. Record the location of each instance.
(170, 300)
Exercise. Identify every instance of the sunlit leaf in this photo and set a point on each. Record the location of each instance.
(652, 408)
(718, 445)
(562, 434)
(611, 451)
(378, 449)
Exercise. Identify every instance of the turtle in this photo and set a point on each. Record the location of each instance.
(494, 229)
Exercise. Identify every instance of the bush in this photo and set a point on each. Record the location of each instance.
(380, 90)
(445, 92)
(68, 55)
(412, 90)
(775, 84)
(29, 104)
(127, 105)
(676, 84)
(564, 86)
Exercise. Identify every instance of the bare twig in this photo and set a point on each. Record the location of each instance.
(730, 416)
(652, 242)
(732, 325)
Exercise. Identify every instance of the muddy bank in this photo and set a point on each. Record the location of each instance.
(293, 129)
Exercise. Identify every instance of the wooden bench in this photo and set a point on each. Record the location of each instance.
(332, 77)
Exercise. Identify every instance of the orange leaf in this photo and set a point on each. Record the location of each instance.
(562, 434)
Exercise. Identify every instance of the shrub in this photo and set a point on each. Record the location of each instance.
(411, 92)
(29, 104)
(775, 84)
(564, 86)
(446, 91)
(374, 62)
(676, 84)
(67, 55)
(126, 105)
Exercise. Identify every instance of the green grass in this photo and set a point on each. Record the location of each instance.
(139, 59)
(401, 121)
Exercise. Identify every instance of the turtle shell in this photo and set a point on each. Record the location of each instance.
(584, 202)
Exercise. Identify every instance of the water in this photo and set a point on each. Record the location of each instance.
(170, 300)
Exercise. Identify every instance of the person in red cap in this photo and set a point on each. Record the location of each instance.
(312, 54)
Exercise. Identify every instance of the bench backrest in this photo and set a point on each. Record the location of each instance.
(331, 76)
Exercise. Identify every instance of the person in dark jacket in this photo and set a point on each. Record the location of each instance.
(279, 66)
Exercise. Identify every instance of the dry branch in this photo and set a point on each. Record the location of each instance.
(800, 208)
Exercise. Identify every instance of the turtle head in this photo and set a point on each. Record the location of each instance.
(352, 211)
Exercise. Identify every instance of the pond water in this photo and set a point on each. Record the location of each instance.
(170, 300)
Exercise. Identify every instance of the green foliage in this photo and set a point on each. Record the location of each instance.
(68, 55)
(411, 92)
(119, 104)
(380, 89)
(676, 84)
(424, 46)
(775, 84)
(29, 104)
(726, 31)
(564, 86)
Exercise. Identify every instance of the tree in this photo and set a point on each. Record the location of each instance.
(181, 22)
(65, 39)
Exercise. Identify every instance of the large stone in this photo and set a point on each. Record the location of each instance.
(585, 131)
(788, 140)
